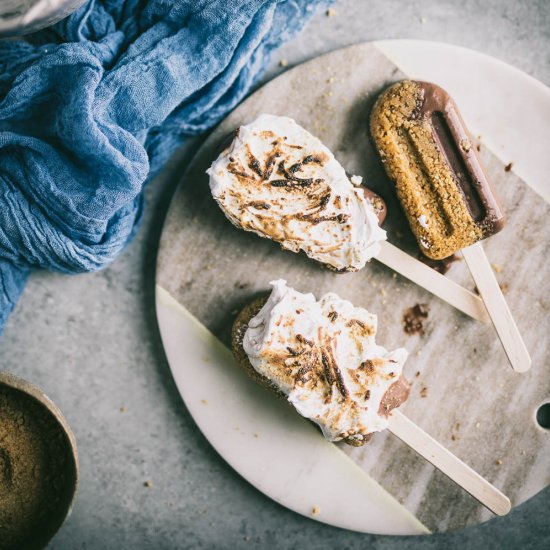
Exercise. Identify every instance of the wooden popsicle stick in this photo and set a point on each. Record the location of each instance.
(496, 305)
(445, 461)
(433, 281)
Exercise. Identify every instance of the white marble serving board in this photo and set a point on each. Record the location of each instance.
(473, 402)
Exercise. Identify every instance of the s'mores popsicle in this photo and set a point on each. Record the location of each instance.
(450, 205)
(322, 357)
(280, 182)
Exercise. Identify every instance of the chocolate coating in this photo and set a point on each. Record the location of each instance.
(427, 151)
(380, 208)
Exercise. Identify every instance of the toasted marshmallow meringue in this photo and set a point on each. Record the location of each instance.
(322, 355)
(280, 182)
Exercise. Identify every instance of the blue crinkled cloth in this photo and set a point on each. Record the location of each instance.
(92, 107)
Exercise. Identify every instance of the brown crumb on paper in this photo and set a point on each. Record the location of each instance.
(424, 392)
(508, 167)
(498, 462)
(414, 317)
(148, 484)
(315, 511)
(331, 12)
(283, 63)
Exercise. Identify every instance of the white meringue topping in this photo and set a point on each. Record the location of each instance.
(322, 355)
(280, 182)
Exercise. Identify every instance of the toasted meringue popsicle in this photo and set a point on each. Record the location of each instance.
(427, 151)
(323, 358)
(280, 182)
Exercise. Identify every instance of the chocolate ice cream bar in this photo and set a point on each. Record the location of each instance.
(321, 356)
(427, 151)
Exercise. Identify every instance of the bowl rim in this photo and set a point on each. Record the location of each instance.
(41, 14)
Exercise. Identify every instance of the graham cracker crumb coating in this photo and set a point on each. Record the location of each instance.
(433, 201)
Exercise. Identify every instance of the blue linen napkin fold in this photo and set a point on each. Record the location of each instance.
(93, 106)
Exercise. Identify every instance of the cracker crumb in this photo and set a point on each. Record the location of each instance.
(508, 167)
(478, 424)
(424, 392)
(331, 12)
(498, 462)
(204, 401)
(123, 409)
(148, 484)
(414, 318)
(497, 267)
(315, 511)
(283, 63)
(417, 374)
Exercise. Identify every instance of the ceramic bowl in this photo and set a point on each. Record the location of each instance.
(49, 524)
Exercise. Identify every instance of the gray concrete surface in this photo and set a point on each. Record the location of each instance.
(91, 342)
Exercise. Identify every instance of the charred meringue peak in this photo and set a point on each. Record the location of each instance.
(323, 357)
(280, 182)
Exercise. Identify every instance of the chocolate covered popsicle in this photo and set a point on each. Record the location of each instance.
(279, 181)
(321, 356)
(427, 152)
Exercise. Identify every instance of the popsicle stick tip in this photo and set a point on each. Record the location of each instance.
(504, 506)
(498, 309)
(445, 461)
